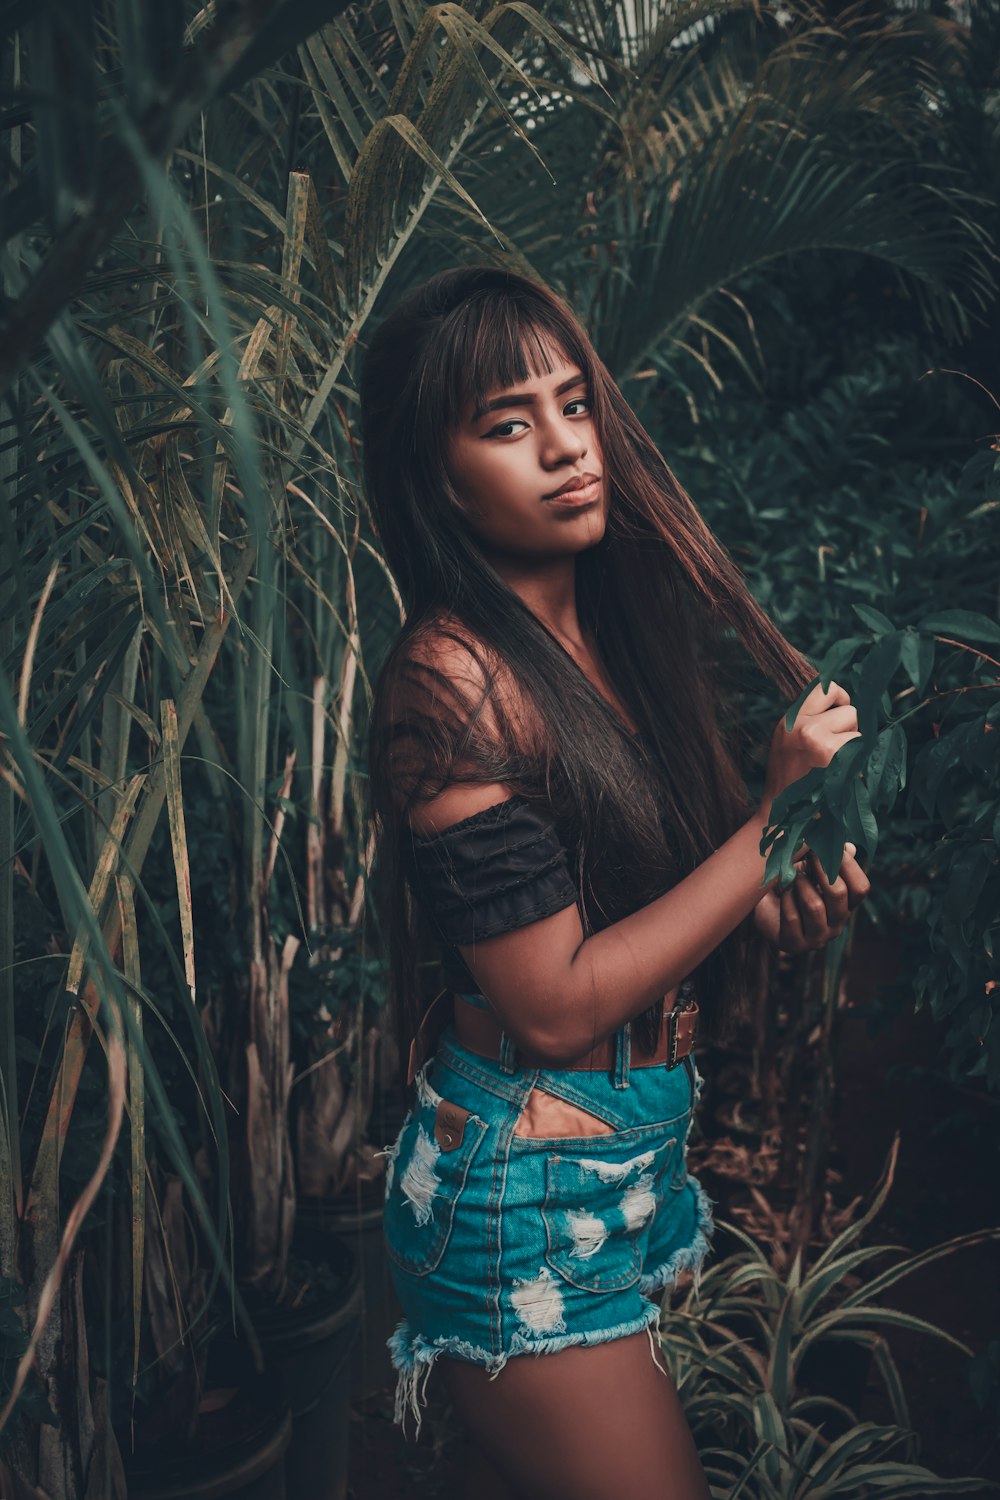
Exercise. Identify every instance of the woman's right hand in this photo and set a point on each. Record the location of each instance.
(825, 721)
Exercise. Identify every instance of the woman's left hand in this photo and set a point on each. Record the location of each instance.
(811, 911)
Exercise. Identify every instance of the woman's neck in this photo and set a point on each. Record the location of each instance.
(548, 588)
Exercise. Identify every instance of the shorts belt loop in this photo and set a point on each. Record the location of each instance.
(508, 1054)
(623, 1056)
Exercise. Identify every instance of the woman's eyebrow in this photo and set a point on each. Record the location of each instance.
(525, 398)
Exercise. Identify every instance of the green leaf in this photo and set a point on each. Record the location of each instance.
(917, 657)
(779, 1367)
(770, 1428)
(819, 1282)
(885, 773)
(825, 836)
(853, 1315)
(877, 671)
(867, 827)
(839, 657)
(901, 1479)
(880, 623)
(963, 624)
(849, 1446)
(751, 1466)
(854, 1231)
(792, 711)
(967, 874)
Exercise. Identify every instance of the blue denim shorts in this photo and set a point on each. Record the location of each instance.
(508, 1244)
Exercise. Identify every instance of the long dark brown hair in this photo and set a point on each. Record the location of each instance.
(661, 596)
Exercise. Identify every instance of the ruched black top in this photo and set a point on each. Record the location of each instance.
(496, 870)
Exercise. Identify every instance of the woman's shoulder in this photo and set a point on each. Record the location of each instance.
(454, 723)
(444, 660)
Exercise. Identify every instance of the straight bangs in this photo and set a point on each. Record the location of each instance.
(496, 340)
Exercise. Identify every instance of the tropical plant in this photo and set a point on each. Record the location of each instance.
(964, 924)
(747, 1347)
(195, 240)
(738, 140)
(171, 415)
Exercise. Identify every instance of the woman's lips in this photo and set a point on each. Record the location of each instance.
(576, 499)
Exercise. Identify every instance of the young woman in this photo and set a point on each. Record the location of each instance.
(551, 780)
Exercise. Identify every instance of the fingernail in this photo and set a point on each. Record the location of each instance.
(852, 849)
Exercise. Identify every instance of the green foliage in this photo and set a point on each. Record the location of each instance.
(203, 212)
(954, 782)
(177, 457)
(746, 1348)
(348, 988)
(859, 497)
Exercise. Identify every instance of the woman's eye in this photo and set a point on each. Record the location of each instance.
(498, 431)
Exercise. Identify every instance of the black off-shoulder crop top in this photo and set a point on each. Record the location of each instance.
(499, 869)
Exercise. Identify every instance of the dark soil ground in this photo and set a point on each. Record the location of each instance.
(947, 1183)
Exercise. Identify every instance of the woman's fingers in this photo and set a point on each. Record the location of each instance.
(803, 914)
(817, 701)
(821, 905)
(834, 894)
(857, 882)
(790, 935)
(813, 910)
(842, 719)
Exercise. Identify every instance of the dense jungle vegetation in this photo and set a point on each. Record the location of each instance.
(778, 223)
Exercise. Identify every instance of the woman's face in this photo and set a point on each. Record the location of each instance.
(507, 461)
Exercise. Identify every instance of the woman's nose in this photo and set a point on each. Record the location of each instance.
(565, 442)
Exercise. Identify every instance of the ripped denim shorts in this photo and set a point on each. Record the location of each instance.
(502, 1242)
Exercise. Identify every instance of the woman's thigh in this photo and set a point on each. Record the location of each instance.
(589, 1423)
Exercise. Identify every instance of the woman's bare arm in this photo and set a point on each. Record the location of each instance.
(558, 994)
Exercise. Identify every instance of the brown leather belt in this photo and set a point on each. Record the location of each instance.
(480, 1031)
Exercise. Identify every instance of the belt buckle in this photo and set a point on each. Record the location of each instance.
(685, 1009)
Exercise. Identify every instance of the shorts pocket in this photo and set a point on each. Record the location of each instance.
(596, 1209)
(549, 1117)
(431, 1159)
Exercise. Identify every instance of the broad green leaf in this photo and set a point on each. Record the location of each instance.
(874, 619)
(877, 671)
(885, 771)
(917, 657)
(864, 829)
(838, 658)
(962, 625)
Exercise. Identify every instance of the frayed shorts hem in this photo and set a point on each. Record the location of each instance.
(689, 1257)
(413, 1356)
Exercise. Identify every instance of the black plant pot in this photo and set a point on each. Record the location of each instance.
(311, 1346)
(238, 1449)
(357, 1219)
